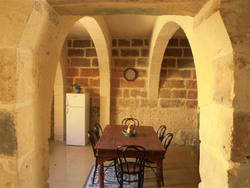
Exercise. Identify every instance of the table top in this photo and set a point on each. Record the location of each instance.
(113, 137)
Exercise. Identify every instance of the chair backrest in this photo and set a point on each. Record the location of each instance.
(167, 140)
(128, 164)
(127, 121)
(161, 132)
(93, 139)
(97, 129)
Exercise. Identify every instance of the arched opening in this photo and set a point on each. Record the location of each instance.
(178, 97)
(40, 46)
(85, 58)
(203, 58)
(178, 90)
(165, 19)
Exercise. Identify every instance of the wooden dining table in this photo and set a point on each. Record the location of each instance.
(113, 137)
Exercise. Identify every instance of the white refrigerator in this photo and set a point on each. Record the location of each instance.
(77, 118)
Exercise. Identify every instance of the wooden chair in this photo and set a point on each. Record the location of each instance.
(167, 139)
(93, 139)
(134, 121)
(125, 165)
(161, 132)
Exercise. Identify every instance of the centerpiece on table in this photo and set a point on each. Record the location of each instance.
(130, 130)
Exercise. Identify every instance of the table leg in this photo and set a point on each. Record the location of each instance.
(158, 172)
(101, 174)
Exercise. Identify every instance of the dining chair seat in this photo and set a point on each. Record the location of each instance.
(130, 167)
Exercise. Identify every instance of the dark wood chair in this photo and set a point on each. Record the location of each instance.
(127, 121)
(161, 132)
(125, 165)
(93, 139)
(166, 141)
(97, 129)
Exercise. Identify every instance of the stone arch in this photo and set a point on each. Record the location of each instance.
(99, 33)
(164, 28)
(37, 57)
(211, 56)
(158, 44)
(31, 57)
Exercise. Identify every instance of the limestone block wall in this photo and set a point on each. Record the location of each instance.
(30, 50)
(28, 60)
(176, 105)
(83, 69)
(178, 87)
(8, 138)
(8, 150)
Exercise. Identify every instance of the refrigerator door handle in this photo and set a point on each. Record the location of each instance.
(67, 111)
(67, 102)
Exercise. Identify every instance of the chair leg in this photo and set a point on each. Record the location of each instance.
(121, 183)
(116, 170)
(162, 178)
(94, 172)
(142, 181)
(140, 184)
(139, 180)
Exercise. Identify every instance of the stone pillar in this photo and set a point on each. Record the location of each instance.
(14, 16)
(37, 57)
(214, 60)
(235, 15)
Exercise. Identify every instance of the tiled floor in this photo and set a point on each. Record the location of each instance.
(70, 165)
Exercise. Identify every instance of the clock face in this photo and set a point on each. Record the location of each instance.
(130, 74)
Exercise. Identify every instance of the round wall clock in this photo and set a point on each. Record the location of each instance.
(130, 74)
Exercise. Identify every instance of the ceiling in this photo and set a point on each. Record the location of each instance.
(115, 7)
(122, 26)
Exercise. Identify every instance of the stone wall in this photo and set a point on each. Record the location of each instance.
(176, 105)
(178, 87)
(83, 69)
(8, 150)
